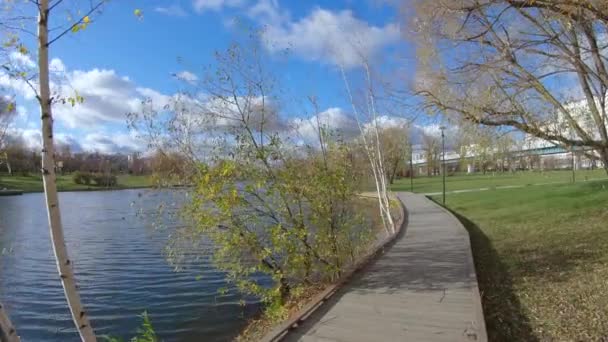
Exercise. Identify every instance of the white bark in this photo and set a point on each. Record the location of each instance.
(64, 265)
(8, 166)
(378, 146)
(6, 327)
(374, 154)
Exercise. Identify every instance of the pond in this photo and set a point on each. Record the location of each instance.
(120, 268)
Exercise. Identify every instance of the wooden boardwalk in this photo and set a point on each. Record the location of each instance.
(423, 288)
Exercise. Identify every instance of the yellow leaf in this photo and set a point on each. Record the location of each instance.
(86, 19)
(138, 12)
(75, 28)
(23, 50)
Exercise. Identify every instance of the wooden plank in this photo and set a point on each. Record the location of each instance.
(424, 288)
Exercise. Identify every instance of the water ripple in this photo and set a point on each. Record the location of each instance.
(119, 266)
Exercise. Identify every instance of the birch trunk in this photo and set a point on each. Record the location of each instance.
(374, 155)
(7, 330)
(64, 265)
(378, 146)
(8, 164)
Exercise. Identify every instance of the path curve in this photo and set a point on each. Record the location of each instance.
(424, 288)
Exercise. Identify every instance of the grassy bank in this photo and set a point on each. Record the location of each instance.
(489, 180)
(541, 255)
(33, 183)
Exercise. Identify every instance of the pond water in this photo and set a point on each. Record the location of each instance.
(120, 268)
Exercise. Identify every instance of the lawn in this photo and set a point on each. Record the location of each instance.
(474, 181)
(33, 183)
(541, 255)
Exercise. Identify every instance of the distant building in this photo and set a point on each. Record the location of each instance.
(535, 154)
(532, 152)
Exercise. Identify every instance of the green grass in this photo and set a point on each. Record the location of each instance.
(541, 255)
(489, 180)
(33, 183)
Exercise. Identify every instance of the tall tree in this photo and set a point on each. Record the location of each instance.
(41, 88)
(462, 142)
(64, 264)
(365, 108)
(483, 146)
(7, 113)
(431, 147)
(538, 66)
(395, 149)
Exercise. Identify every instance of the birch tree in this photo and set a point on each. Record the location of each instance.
(40, 85)
(64, 264)
(7, 113)
(540, 67)
(370, 138)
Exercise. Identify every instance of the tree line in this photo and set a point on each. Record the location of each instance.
(19, 159)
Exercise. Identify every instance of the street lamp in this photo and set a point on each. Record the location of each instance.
(573, 164)
(442, 128)
(411, 168)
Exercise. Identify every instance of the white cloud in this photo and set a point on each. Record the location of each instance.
(56, 66)
(17, 59)
(31, 137)
(333, 119)
(21, 111)
(387, 121)
(344, 124)
(92, 142)
(334, 37)
(187, 76)
(108, 97)
(268, 12)
(104, 143)
(17, 85)
(219, 114)
(18, 63)
(215, 5)
(430, 129)
(174, 10)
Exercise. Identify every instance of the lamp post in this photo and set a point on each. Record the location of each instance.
(573, 164)
(411, 168)
(442, 128)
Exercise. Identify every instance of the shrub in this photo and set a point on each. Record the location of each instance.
(82, 178)
(105, 180)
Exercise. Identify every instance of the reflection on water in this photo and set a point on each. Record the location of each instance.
(119, 266)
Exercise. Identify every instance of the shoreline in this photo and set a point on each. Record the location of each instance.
(18, 192)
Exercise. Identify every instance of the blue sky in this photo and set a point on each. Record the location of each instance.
(119, 59)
